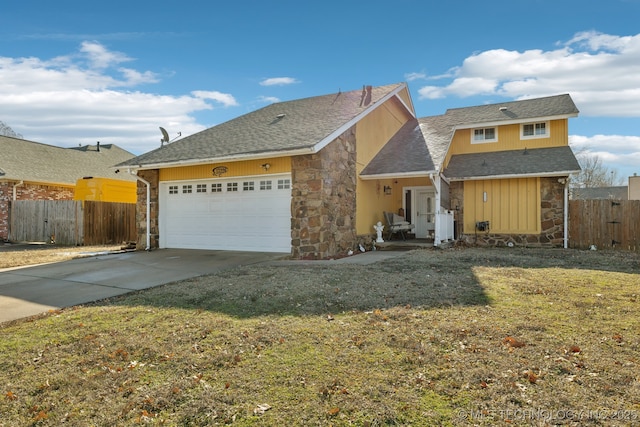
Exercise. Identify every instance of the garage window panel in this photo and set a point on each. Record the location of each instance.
(232, 186)
(201, 188)
(216, 187)
(248, 186)
(265, 185)
(173, 189)
(187, 189)
(284, 184)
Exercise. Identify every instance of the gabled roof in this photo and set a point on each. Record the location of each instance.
(430, 142)
(552, 161)
(285, 128)
(22, 160)
(417, 149)
(545, 108)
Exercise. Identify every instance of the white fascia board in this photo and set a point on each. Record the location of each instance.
(512, 122)
(342, 129)
(231, 158)
(528, 175)
(417, 174)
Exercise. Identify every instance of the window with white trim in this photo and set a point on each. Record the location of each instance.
(265, 185)
(173, 189)
(483, 135)
(534, 130)
(216, 187)
(232, 186)
(284, 184)
(201, 188)
(248, 186)
(187, 189)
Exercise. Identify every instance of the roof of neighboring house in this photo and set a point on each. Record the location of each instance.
(606, 193)
(284, 128)
(22, 160)
(552, 161)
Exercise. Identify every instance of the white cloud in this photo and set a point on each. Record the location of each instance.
(415, 76)
(278, 81)
(618, 152)
(100, 57)
(88, 96)
(600, 71)
(224, 98)
(268, 99)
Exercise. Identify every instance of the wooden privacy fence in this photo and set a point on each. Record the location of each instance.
(72, 222)
(607, 224)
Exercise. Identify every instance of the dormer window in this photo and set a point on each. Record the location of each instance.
(534, 130)
(484, 135)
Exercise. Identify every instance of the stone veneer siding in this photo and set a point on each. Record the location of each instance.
(323, 205)
(153, 177)
(27, 192)
(551, 219)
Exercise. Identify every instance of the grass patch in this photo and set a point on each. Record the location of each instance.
(20, 255)
(435, 337)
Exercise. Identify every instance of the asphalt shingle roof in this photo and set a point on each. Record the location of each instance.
(22, 160)
(427, 140)
(419, 146)
(546, 161)
(279, 127)
(600, 193)
(537, 108)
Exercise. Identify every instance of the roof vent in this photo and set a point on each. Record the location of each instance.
(502, 108)
(280, 116)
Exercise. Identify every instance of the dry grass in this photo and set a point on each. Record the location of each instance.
(21, 255)
(435, 337)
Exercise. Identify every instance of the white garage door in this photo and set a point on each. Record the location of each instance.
(243, 214)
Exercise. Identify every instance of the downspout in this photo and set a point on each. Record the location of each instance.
(566, 214)
(15, 193)
(435, 179)
(148, 184)
(15, 196)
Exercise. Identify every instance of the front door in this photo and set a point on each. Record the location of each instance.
(425, 213)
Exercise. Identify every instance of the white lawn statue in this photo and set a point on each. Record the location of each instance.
(379, 227)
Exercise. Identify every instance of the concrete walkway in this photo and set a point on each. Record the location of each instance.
(28, 291)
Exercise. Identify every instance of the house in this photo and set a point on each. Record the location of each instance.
(35, 171)
(311, 177)
(620, 192)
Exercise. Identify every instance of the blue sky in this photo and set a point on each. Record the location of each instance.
(76, 72)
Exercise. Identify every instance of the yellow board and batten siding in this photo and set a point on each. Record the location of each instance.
(372, 133)
(508, 139)
(236, 168)
(512, 205)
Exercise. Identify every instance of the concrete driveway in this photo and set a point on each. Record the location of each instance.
(29, 291)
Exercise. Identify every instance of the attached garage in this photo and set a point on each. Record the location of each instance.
(241, 213)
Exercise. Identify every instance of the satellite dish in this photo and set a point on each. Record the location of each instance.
(165, 135)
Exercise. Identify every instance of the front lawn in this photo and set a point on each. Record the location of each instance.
(436, 337)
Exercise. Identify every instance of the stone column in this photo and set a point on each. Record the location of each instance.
(323, 205)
